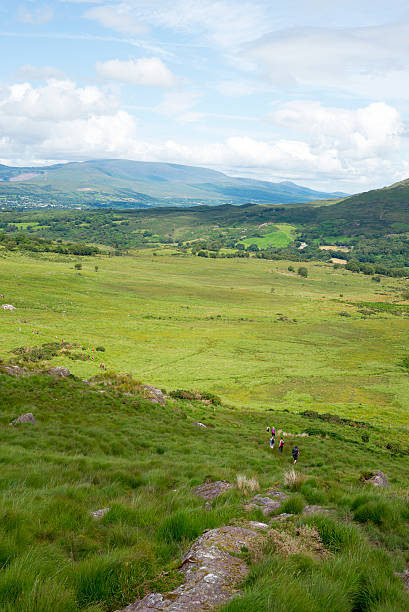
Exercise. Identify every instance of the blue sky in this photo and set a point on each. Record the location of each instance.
(313, 92)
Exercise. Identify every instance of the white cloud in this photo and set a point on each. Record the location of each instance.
(368, 62)
(143, 71)
(374, 130)
(55, 101)
(116, 17)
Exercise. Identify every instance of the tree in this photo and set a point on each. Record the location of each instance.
(78, 266)
(302, 272)
(96, 267)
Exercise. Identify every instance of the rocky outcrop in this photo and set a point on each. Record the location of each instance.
(269, 503)
(154, 395)
(212, 572)
(198, 424)
(58, 371)
(8, 307)
(24, 418)
(210, 490)
(315, 510)
(13, 370)
(379, 479)
(98, 514)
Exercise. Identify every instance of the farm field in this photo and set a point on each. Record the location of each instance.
(248, 330)
(280, 236)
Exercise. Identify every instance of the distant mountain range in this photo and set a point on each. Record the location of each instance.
(133, 184)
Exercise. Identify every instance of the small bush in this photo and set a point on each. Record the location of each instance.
(101, 349)
(247, 485)
(78, 266)
(302, 272)
(377, 511)
(294, 505)
(335, 536)
(365, 437)
(293, 479)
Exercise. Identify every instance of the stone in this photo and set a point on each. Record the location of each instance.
(154, 395)
(379, 479)
(267, 505)
(200, 425)
(24, 418)
(212, 573)
(405, 577)
(59, 371)
(210, 490)
(8, 307)
(98, 514)
(281, 517)
(257, 525)
(13, 370)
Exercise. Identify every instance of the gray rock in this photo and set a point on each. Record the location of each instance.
(257, 525)
(8, 307)
(405, 577)
(281, 517)
(379, 479)
(154, 395)
(277, 495)
(267, 505)
(98, 514)
(200, 425)
(24, 418)
(212, 573)
(211, 490)
(59, 371)
(13, 370)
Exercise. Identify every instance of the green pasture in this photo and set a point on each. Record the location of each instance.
(279, 236)
(249, 330)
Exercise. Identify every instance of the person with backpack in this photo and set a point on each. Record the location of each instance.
(273, 431)
(295, 452)
(272, 442)
(281, 445)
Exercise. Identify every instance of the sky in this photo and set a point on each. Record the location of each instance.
(314, 92)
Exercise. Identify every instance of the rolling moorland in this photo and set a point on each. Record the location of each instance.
(132, 184)
(263, 345)
(240, 328)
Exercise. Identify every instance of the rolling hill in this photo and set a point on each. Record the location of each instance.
(136, 184)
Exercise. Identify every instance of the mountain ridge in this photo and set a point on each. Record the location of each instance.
(135, 183)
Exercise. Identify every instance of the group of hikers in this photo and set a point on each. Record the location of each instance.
(295, 452)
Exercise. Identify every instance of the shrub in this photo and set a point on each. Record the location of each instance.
(335, 536)
(293, 479)
(377, 511)
(302, 272)
(290, 268)
(101, 349)
(365, 437)
(294, 505)
(78, 266)
(247, 484)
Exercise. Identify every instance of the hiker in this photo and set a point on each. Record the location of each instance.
(273, 431)
(281, 445)
(272, 442)
(268, 429)
(295, 452)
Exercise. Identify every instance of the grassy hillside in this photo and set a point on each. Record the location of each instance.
(249, 330)
(125, 183)
(272, 345)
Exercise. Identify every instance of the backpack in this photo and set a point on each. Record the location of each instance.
(295, 452)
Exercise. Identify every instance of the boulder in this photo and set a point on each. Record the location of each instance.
(13, 370)
(58, 371)
(8, 307)
(379, 479)
(24, 418)
(154, 395)
(212, 572)
(281, 517)
(200, 425)
(98, 514)
(210, 490)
